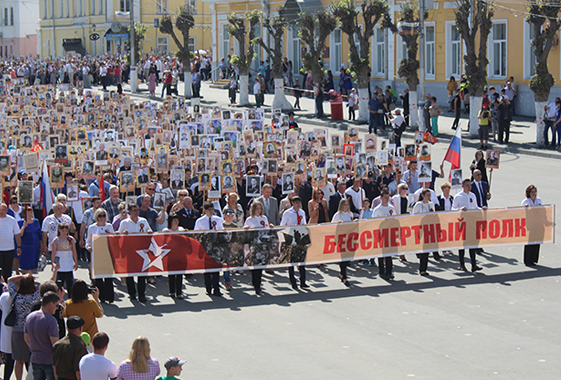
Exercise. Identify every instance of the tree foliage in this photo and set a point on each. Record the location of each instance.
(314, 30)
(184, 22)
(371, 12)
(543, 18)
(139, 35)
(481, 24)
(276, 27)
(238, 29)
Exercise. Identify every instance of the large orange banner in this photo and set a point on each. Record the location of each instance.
(194, 251)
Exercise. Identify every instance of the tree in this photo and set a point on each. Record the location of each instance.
(184, 21)
(237, 29)
(139, 35)
(409, 66)
(475, 21)
(276, 27)
(543, 17)
(348, 14)
(314, 30)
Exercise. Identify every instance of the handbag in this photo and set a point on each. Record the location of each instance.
(355, 107)
(11, 317)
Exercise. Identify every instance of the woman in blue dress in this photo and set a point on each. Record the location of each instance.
(30, 241)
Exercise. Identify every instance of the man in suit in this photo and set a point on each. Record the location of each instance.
(480, 189)
(336, 198)
(188, 215)
(270, 204)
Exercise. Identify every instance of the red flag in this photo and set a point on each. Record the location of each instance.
(101, 192)
(36, 147)
(158, 253)
(429, 137)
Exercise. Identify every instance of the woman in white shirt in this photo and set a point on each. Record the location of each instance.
(423, 206)
(256, 220)
(531, 251)
(343, 214)
(105, 286)
(400, 204)
(175, 282)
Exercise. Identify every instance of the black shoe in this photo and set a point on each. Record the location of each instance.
(463, 268)
(437, 257)
(304, 286)
(391, 276)
(258, 291)
(294, 286)
(142, 299)
(217, 293)
(208, 292)
(475, 268)
(132, 298)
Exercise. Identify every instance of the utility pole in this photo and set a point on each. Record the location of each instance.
(422, 126)
(133, 73)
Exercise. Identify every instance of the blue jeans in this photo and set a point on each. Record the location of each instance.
(548, 126)
(43, 372)
(227, 276)
(373, 123)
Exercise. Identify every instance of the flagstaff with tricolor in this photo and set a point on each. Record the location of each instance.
(454, 155)
(47, 196)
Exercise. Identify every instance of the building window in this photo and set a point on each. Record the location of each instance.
(161, 6)
(191, 6)
(192, 44)
(100, 6)
(67, 8)
(453, 51)
(61, 8)
(530, 58)
(498, 46)
(336, 53)
(379, 51)
(401, 49)
(225, 42)
(162, 44)
(45, 9)
(11, 16)
(6, 17)
(296, 56)
(429, 51)
(92, 7)
(124, 5)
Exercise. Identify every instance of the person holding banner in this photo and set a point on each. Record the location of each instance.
(175, 282)
(531, 251)
(466, 200)
(343, 214)
(133, 224)
(385, 209)
(423, 206)
(105, 286)
(292, 217)
(256, 219)
(210, 222)
(317, 207)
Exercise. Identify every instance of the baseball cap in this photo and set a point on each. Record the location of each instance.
(173, 362)
(74, 322)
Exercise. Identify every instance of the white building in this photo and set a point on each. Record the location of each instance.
(19, 25)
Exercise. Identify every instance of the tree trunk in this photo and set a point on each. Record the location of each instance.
(474, 107)
(413, 111)
(279, 101)
(244, 92)
(540, 123)
(187, 84)
(363, 113)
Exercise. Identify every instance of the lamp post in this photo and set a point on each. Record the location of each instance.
(133, 72)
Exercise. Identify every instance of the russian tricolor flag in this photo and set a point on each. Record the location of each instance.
(47, 197)
(454, 155)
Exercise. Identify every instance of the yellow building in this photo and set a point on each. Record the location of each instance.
(100, 26)
(509, 45)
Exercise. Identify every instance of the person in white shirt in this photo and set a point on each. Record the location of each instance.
(209, 221)
(50, 226)
(291, 217)
(256, 90)
(397, 122)
(256, 219)
(551, 110)
(466, 200)
(96, 366)
(434, 200)
(424, 205)
(101, 226)
(383, 210)
(356, 194)
(531, 251)
(411, 176)
(343, 214)
(134, 223)
(8, 230)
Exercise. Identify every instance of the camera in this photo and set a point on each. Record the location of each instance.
(92, 289)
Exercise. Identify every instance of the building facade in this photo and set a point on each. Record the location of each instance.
(509, 45)
(100, 27)
(19, 24)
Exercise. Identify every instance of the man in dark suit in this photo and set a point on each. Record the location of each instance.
(336, 198)
(188, 215)
(270, 204)
(480, 189)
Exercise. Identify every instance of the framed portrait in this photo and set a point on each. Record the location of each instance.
(161, 163)
(159, 201)
(88, 169)
(142, 176)
(130, 200)
(319, 177)
(72, 192)
(25, 192)
(424, 152)
(382, 158)
(228, 184)
(370, 143)
(425, 172)
(410, 152)
(57, 176)
(204, 181)
(456, 177)
(87, 203)
(31, 163)
(253, 186)
(288, 183)
(177, 178)
(361, 171)
(126, 182)
(215, 187)
(418, 138)
(492, 159)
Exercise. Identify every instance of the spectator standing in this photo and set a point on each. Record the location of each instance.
(68, 351)
(451, 87)
(82, 306)
(30, 241)
(139, 365)
(9, 230)
(96, 366)
(353, 104)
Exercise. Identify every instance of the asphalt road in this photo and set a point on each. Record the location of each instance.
(501, 323)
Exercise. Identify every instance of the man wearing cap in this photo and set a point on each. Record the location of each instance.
(68, 351)
(173, 367)
(96, 366)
